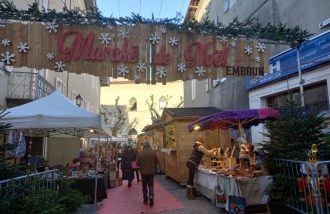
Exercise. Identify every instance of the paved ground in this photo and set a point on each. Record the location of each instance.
(200, 205)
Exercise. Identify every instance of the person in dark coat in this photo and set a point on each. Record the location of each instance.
(193, 161)
(147, 160)
(126, 166)
(134, 166)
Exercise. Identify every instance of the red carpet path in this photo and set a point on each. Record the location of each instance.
(123, 200)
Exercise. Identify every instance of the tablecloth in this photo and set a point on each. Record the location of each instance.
(87, 187)
(253, 189)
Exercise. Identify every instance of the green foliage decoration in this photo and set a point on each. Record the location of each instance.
(250, 28)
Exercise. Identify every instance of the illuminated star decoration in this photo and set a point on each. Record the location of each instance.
(161, 72)
(163, 30)
(200, 71)
(59, 66)
(5, 42)
(123, 34)
(223, 39)
(141, 67)
(233, 43)
(23, 47)
(248, 50)
(258, 59)
(50, 56)
(182, 67)
(105, 38)
(261, 47)
(123, 70)
(51, 27)
(8, 57)
(173, 41)
(154, 38)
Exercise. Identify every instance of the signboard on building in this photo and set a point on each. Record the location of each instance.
(312, 53)
(143, 52)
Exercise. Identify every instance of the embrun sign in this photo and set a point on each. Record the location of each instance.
(143, 52)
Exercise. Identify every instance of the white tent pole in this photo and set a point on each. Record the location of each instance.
(96, 164)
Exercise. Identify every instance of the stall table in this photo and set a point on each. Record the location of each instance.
(87, 187)
(254, 189)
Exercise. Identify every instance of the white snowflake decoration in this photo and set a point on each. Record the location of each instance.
(105, 38)
(223, 39)
(261, 47)
(23, 47)
(233, 43)
(5, 42)
(137, 77)
(191, 77)
(163, 30)
(110, 27)
(8, 57)
(123, 34)
(51, 27)
(154, 38)
(258, 59)
(123, 70)
(200, 71)
(173, 41)
(141, 67)
(182, 67)
(248, 50)
(161, 72)
(50, 56)
(59, 66)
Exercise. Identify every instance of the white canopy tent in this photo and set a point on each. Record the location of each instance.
(54, 113)
(51, 112)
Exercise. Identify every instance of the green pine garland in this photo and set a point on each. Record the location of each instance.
(250, 28)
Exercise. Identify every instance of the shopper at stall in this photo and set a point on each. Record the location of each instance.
(193, 161)
(135, 167)
(126, 165)
(147, 161)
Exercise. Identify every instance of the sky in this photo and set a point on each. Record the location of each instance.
(160, 8)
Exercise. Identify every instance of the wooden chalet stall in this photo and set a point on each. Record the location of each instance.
(178, 142)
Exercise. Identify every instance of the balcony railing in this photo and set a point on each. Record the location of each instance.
(29, 86)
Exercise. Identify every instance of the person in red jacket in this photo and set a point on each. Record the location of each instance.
(193, 161)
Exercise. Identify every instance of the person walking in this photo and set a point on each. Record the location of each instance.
(135, 167)
(193, 161)
(126, 165)
(147, 161)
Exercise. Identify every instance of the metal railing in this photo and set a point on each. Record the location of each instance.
(25, 85)
(41, 180)
(308, 185)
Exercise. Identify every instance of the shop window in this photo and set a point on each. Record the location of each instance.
(315, 97)
(132, 104)
(162, 102)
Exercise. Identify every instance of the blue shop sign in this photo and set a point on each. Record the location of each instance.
(312, 53)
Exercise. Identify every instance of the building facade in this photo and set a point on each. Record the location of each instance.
(21, 85)
(231, 93)
(137, 99)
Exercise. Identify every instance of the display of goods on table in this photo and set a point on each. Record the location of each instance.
(236, 172)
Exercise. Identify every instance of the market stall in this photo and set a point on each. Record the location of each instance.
(177, 142)
(234, 172)
(53, 115)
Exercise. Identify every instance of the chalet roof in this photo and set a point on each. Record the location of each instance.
(179, 113)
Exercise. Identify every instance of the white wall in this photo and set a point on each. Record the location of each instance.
(257, 96)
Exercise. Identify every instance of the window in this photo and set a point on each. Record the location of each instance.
(59, 85)
(315, 97)
(193, 89)
(225, 5)
(132, 106)
(162, 102)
